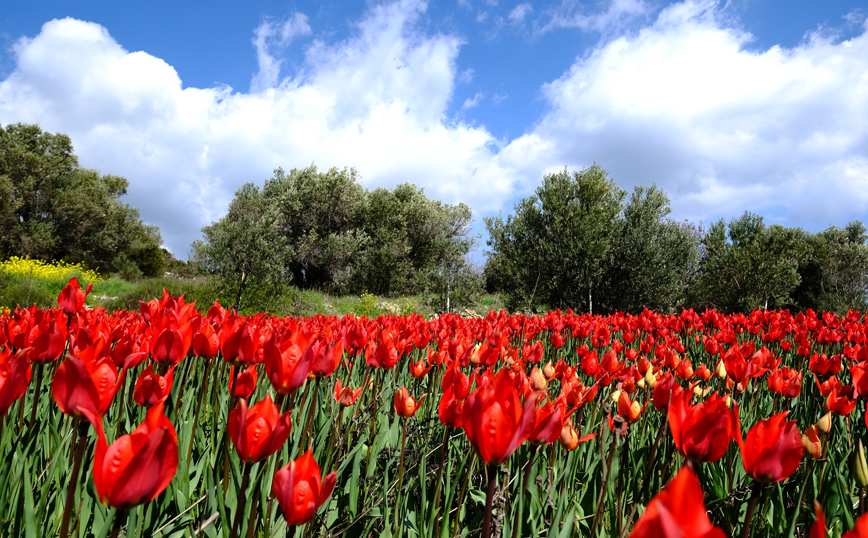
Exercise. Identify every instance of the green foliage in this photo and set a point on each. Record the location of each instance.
(834, 275)
(323, 231)
(652, 259)
(747, 265)
(245, 250)
(54, 209)
(552, 251)
(150, 260)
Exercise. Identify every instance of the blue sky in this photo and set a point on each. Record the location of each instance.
(729, 106)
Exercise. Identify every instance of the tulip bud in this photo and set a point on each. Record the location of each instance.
(697, 391)
(729, 401)
(720, 371)
(537, 379)
(569, 438)
(549, 370)
(650, 379)
(811, 443)
(616, 395)
(825, 423)
(860, 467)
(641, 383)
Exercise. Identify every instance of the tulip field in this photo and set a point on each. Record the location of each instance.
(176, 420)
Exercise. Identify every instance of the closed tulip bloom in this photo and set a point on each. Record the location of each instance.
(47, 341)
(286, 364)
(677, 512)
(811, 442)
(538, 380)
(206, 344)
(405, 405)
(701, 432)
(325, 357)
(152, 388)
(71, 298)
(300, 489)
(259, 431)
(664, 391)
(569, 437)
(772, 450)
(139, 466)
(246, 382)
(14, 378)
(495, 421)
(86, 383)
(450, 409)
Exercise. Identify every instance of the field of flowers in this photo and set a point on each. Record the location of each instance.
(170, 421)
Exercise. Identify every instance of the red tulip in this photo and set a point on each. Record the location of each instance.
(345, 395)
(677, 511)
(152, 388)
(286, 364)
(238, 343)
(139, 466)
(773, 449)
(418, 369)
(71, 298)
(245, 384)
(86, 382)
(702, 432)
(300, 489)
(549, 423)
(841, 400)
(47, 340)
(450, 409)
(785, 381)
(859, 530)
(259, 431)
(494, 420)
(405, 405)
(205, 341)
(665, 390)
(14, 378)
(629, 411)
(818, 529)
(325, 357)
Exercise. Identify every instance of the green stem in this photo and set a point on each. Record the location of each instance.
(73, 482)
(489, 501)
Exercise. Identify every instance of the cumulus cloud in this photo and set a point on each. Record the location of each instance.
(724, 129)
(686, 102)
(376, 101)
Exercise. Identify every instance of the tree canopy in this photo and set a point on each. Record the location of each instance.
(54, 209)
(323, 230)
(576, 244)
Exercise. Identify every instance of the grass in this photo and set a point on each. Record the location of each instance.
(115, 293)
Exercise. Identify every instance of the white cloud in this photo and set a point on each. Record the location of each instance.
(519, 12)
(376, 101)
(573, 14)
(271, 38)
(473, 101)
(723, 129)
(684, 102)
